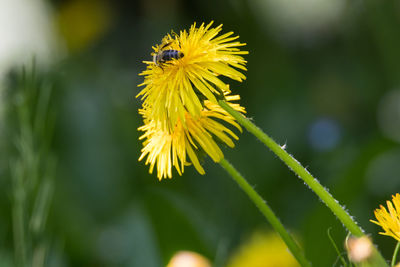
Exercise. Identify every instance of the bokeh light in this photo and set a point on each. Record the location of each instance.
(389, 115)
(324, 134)
(27, 32)
(304, 20)
(383, 173)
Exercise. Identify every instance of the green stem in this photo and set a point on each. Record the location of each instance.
(298, 169)
(396, 251)
(266, 211)
(336, 248)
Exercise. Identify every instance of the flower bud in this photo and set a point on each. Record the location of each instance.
(359, 249)
(188, 259)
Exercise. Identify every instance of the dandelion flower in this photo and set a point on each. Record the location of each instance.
(181, 145)
(179, 86)
(263, 250)
(389, 220)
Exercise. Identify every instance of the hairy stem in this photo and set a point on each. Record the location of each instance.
(301, 172)
(266, 211)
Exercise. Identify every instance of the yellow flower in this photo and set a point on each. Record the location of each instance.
(263, 250)
(83, 22)
(179, 86)
(389, 221)
(181, 145)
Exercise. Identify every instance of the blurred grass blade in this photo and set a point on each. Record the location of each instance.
(18, 214)
(32, 167)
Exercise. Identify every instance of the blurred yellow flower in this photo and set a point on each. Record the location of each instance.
(188, 259)
(83, 22)
(179, 85)
(389, 221)
(180, 146)
(263, 250)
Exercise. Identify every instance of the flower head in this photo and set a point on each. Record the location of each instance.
(181, 115)
(180, 146)
(389, 221)
(178, 86)
(263, 250)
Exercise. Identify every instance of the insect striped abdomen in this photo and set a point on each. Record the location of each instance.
(167, 55)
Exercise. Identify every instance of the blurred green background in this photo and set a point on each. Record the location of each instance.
(323, 78)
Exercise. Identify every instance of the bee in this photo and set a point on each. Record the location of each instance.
(165, 55)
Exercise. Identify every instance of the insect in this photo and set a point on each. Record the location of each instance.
(164, 55)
